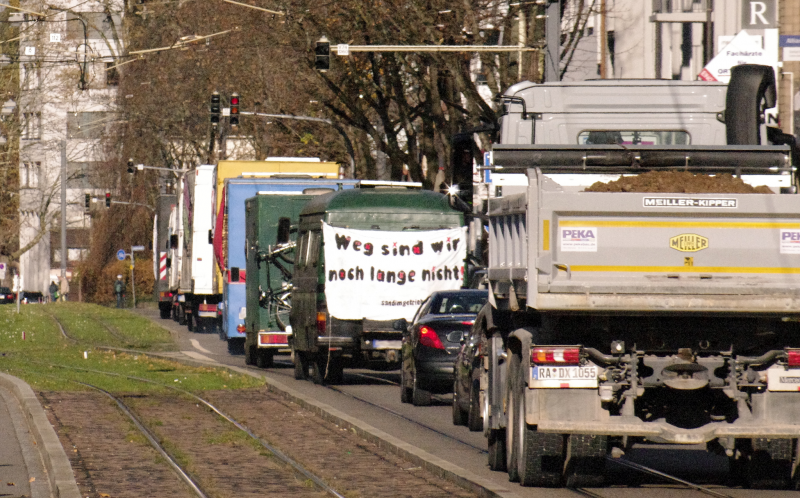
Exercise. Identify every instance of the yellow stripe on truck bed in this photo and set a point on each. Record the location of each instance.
(676, 224)
(683, 269)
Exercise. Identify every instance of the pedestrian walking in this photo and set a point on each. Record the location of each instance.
(53, 291)
(119, 290)
(64, 290)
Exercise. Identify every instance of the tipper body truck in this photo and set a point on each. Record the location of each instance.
(162, 246)
(628, 317)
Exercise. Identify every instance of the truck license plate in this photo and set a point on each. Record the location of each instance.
(780, 379)
(553, 377)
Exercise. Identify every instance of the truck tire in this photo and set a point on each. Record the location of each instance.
(236, 346)
(419, 396)
(321, 365)
(474, 414)
(190, 322)
(586, 461)
(264, 359)
(770, 465)
(164, 311)
(497, 450)
(300, 361)
(512, 412)
(459, 416)
(249, 355)
(540, 461)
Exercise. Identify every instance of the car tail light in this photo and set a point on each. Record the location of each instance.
(429, 337)
(556, 355)
(793, 356)
(468, 322)
(322, 320)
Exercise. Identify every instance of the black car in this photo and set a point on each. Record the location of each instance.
(432, 341)
(467, 406)
(6, 296)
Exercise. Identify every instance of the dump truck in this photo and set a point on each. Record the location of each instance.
(626, 317)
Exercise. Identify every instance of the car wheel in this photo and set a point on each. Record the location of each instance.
(497, 450)
(474, 415)
(459, 417)
(419, 396)
(405, 392)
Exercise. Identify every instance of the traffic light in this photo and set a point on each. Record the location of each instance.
(87, 200)
(234, 109)
(322, 55)
(108, 199)
(131, 170)
(215, 109)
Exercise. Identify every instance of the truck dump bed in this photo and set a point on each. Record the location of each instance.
(561, 249)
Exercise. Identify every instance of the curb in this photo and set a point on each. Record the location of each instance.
(433, 464)
(59, 470)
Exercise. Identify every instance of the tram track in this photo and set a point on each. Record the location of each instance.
(182, 473)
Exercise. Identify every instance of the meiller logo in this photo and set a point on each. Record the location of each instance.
(688, 202)
(688, 242)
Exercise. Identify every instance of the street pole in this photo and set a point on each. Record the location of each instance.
(63, 210)
(133, 279)
(553, 37)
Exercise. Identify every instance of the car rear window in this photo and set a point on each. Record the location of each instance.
(5, 290)
(462, 303)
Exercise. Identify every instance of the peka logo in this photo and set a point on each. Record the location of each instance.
(579, 239)
(688, 242)
(790, 241)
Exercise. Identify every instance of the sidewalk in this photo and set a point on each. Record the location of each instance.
(32, 462)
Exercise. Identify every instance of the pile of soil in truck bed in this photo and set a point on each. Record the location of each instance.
(679, 182)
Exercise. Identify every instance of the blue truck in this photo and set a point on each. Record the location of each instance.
(232, 257)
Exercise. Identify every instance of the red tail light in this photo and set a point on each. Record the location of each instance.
(556, 355)
(793, 356)
(322, 319)
(428, 337)
(240, 328)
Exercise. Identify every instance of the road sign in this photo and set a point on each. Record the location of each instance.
(2, 271)
(343, 49)
(137, 248)
(121, 254)
(759, 14)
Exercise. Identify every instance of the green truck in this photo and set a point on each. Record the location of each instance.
(365, 258)
(269, 254)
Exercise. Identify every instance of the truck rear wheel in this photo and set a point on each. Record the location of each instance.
(300, 364)
(249, 355)
(586, 461)
(164, 310)
(322, 365)
(771, 463)
(190, 322)
(263, 359)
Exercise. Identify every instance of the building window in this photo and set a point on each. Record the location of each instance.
(29, 174)
(81, 175)
(88, 125)
(99, 26)
(31, 125)
(112, 75)
(31, 75)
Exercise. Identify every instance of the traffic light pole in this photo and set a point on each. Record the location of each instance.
(63, 210)
(333, 124)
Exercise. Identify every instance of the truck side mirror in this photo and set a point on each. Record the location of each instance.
(284, 228)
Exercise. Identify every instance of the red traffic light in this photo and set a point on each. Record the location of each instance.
(108, 199)
(235, 109)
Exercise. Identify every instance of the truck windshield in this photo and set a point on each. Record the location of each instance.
(634, 137)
